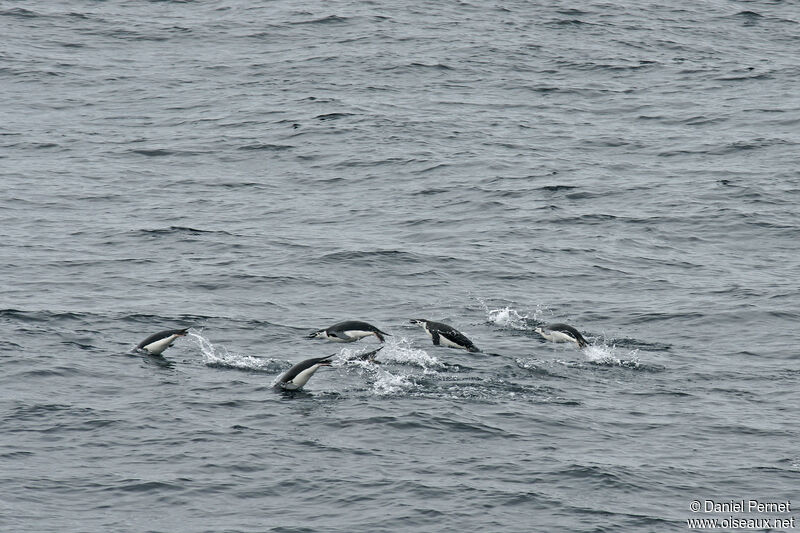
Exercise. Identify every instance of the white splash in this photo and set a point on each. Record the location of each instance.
(400, 350)
(383, 377)
(507, 318)
(387, 383)
(604, 354)
(221, 356)
(381, 381)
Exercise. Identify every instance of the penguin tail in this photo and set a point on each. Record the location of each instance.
(381, 335)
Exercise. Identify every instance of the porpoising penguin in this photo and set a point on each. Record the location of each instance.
(348, 331)
(442, 334)
(299, 374)
(156, 343)
(561, 333)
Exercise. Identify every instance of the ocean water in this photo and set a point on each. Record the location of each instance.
(258, 170)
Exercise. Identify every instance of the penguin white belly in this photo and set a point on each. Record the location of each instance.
(301, 378)
(358, 333)
(558, 336)
(444, 341)
(159, 346)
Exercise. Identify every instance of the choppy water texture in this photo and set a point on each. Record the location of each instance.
(255, 171)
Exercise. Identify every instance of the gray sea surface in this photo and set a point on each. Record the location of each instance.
(255, 171)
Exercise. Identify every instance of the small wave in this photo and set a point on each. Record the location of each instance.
(8, 345)
(748, 18)
(367, 257)
(155, 152)
(435, 66)
(19, 12)
(333, 116)
(625, 342)
(330, 19)
(602, 475)
(179, 230)
(44, 316)
(569, 22)
(138, 485)
(266, 147)
(557, 188)
(641, 318)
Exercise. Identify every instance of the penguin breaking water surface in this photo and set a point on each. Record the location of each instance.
(348, 331)
(158, 342)
(299, 374)
(562, 333)
(445, 335)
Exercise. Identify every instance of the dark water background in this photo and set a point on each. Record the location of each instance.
(256, 170)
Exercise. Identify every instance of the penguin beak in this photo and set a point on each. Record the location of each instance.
(325, 363)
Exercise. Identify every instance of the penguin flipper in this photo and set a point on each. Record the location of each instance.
(435, 338)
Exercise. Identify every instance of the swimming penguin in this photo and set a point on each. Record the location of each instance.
(348, 331)
(370, 357)
(299, 374)
(445, 335)
(158, 342)
(561, 333)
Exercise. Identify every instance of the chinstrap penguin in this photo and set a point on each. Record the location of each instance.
(156, 343)
(370, 356)
(348, 331)
(444, 335)
(299, 374)
(561, 333)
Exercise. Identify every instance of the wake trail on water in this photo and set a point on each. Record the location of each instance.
(611, 355)
(394, 372)
(510, 318)
(220, 357)
(601, 351)
(398, 363)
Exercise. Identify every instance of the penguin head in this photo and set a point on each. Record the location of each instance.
(316, 334)
(539, 330)
(418, 321)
